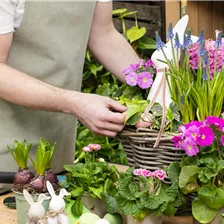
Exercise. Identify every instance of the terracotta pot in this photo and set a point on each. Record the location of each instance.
(22, 206)
(147, 220)
(216, 220)
(95, 205)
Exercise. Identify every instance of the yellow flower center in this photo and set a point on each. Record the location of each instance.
(145, 80)
(132, 79)
(190, 146)
(194, 135)
(203, 137)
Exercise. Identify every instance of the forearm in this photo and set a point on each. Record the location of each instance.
(24, 90)
(114, 52)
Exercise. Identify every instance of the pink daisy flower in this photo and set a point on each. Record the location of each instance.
(205, 136)
(132, 79)
(94, 147)
(222, 140)
(86, 149)
(145, 80)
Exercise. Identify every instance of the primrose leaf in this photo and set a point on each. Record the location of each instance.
(133, 109)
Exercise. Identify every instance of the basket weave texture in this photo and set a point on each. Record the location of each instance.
(138, 145)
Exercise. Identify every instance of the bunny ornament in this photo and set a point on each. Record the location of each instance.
(36, 212)
(56, 213)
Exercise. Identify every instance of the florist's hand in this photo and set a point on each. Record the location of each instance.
(100, 114)
(144, 122)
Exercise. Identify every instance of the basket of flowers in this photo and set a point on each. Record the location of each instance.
(187, 84)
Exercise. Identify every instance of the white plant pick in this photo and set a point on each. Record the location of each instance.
(179, 28)
(102, 221)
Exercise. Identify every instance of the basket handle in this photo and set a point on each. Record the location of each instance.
(162, 85)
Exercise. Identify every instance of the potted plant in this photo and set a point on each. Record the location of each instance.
(202, 169)
(87, 181)
(143, 196)
(26, 180)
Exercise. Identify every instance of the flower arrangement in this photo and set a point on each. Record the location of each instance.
(94, 177)
(202, 170)
(197, 79)
(141, 192)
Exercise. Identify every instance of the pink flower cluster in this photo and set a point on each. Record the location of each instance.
(199, 134)
(138, 74)
(91, 147)
(160, 174)
(212, 49)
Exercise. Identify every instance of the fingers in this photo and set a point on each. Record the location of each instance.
(117, 118)
(115, 106)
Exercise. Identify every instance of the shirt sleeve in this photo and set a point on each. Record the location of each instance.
(7, 14)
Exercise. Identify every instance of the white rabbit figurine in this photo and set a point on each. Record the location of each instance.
(56, 213)
(36, 212)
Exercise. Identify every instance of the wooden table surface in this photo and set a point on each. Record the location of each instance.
(8, 216)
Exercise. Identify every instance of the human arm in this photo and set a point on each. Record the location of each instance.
(22, 89)
(107, 44)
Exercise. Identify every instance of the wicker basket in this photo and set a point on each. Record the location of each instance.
(138, 145)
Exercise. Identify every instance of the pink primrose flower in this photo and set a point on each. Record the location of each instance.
(192, 132)
(160, 174)
(205, 136)
(86, 149)
(149, 63)
(195, 123)
(216, 121)
(145, 80)
(132, 79)
(221, 128)
(94, 147)
(131, 68)
(182, 129)
(190, 147)
(177, 141)
(222, 140)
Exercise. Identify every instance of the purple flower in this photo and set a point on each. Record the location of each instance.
(195, 123)
(222, 140)
(190, 147)
(177, 41)
(192, 132)
(206, 136)
(145, 80)
(216, 121)
(221, 128)
(94, 147)
(159, 43)
(170, 33)
(131, 68)
(132, 79)
(177, 141)
(218, 42)
(182, 129)
(149, 63)
(160, 174)
(201, 37)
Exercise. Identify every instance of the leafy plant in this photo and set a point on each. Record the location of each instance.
(202, 171)
(93, 177)
(141, 192)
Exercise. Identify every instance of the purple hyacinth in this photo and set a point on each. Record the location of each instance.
(177, 41)
(159, 43)
(206, 57)
(170, 33)
(218, 42)
(201, 37)
(189, 40)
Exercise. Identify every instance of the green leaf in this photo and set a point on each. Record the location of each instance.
(77, 207)
(132, 92)
(202, 212)
(20, 157)
(77, 192)
(119, 11)
(174, 172)
(133, 109)
(96, 191)
(145, 43)
(68, 168)
(133, 120)
(188, 175)
(135, 33)
(111, 203)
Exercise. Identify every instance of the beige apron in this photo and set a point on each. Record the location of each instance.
(49, 45)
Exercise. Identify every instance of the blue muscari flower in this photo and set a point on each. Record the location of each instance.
(186, 43)
(159, 43)
(189, 40)
(170, 34)
(177, 41)
(201, 37)
(206, 58)
(204, 74)
(201, 51)
(218, 42)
